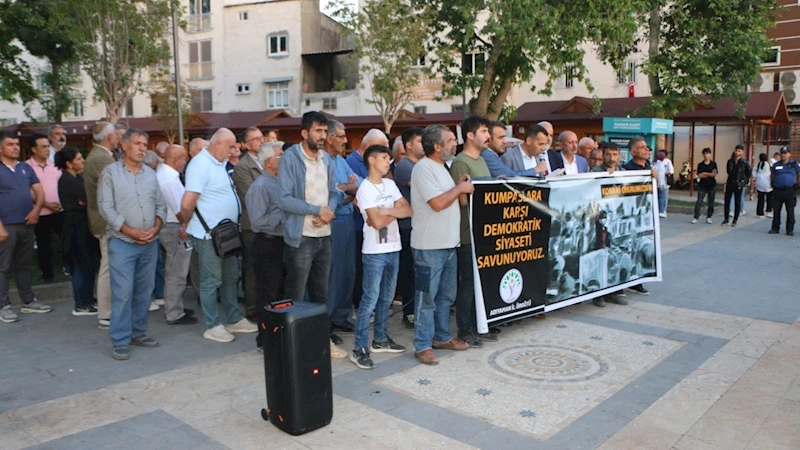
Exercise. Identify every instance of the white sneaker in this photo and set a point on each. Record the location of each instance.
(337, 352)
(153, 306)
(242, 326)
(694, 220)
(743, 213)
(219, 334)
(769, 214)
(662, 214)
(709, 221)
(159, 301)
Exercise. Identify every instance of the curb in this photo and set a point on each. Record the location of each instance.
(45, 293)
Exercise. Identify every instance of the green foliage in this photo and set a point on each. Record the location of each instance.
(704, 50)
(389, 37)
(164, 105)
(521, 38)
(16, 82)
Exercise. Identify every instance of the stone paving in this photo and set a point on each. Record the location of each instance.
(710, 360)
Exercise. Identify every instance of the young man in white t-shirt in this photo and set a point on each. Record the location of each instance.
(381, 204)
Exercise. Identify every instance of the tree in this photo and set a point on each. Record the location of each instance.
(45, 35)
(16, 82)
(519, 38)
(387, 51)
(701, 50)
(165, 105)
(127, 36)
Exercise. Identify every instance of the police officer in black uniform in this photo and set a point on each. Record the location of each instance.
(785, 179)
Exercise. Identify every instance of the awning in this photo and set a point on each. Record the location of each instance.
(277, 80)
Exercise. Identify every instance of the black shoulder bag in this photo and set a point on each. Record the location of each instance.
(226, 236)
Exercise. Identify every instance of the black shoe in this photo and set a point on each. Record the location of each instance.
(639, 289)
(773, 231)
(613, 298)
(346, 327)
(185, 320)
(387, 347)
(471, 339)
(188, 312)
(733, 224)
(599, 302)
(336, 339)
(85, 311)
(488, 337)
(49, 281)
(724, 222)
(495, 330)
(408, 321)
(361, 359)
(790, 233)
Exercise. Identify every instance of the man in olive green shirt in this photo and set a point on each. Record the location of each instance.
(476, 136)
(105, 140)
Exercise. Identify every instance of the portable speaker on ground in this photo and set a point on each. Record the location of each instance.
(297, 365)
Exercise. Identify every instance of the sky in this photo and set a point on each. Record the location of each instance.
(323, 4)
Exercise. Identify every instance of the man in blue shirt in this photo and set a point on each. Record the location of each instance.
(497, 147)
(785, 177)
(343, 232)
(18, 215)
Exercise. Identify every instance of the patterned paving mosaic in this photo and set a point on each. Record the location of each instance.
(536, 380)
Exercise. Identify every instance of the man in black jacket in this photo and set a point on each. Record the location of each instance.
(738, 178)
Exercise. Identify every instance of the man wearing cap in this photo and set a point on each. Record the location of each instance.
(785, 178)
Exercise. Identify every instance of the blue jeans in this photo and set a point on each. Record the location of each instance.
(158, 292)
(217, 273)
(663, 196)
(741, 202)
(133, 270)
(82, 283)
(378, 286)
(435, 273)
(307, 269)
(341, 279)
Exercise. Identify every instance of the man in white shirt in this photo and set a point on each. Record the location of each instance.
(528, 155)
(58, 139)
(663, 167)
(173, 236)
(573, 163)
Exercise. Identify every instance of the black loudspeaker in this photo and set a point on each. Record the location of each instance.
(297, 365)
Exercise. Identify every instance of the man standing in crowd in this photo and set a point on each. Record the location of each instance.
(640, 160)
(469, 164)
(270, 135)
(343, 233)
(57, 136)
(381, 204)
(50, 218)
(19, 212)
(530, 154)
(572, 162)
(785, 178)
(119, 150)
(412, 141)
(131, 203)
(161, 151)
(104, 136)
(707, 176)
(173, 236)
(434, 238)
(210, 194)
(196, 145)
(266, 221)
(586, 146)
(596, 158)
(664, 168)
(308, 197)
(246, 171)
(496, 149)
(610, 164)
(738, 178)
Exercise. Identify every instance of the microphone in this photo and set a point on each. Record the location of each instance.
(541, 158)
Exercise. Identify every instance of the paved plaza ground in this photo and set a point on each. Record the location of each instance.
(710, 360)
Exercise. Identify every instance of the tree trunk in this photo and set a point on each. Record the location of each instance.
(499, 100)
(481, 105)
(55, 70)
(654, 24)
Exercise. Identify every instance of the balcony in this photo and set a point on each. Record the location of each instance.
(201, 70)
(198, 22)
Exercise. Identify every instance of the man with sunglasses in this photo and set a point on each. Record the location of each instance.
(247, 170)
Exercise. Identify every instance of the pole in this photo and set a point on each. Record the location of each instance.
(691, 161)
(178, 98)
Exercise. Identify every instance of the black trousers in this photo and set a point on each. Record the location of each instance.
(405, 278)
(732, 191)
(764, 198)
(783, 197)
(358, 289)
(48, 241)
(267, 261)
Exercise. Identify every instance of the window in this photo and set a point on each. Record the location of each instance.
(129, 108)
(243, 88)
(202, 100)
(200, 65)
(41, 85)
(77, 108)
(567, 78)
(244, 15)
(420, 110)
(627, 75)
(329, 103)
(278, 45)
(473, 64)
(278, 95)
(773, 56)
(199, 16)
(457, 108)
(419, 62)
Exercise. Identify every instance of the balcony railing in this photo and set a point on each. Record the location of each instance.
(201, 70)
(198, 22)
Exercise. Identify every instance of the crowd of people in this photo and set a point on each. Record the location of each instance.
(135, 225)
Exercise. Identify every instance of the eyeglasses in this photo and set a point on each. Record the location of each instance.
(260, 138)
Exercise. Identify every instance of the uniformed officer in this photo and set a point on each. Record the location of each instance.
(785, 178)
